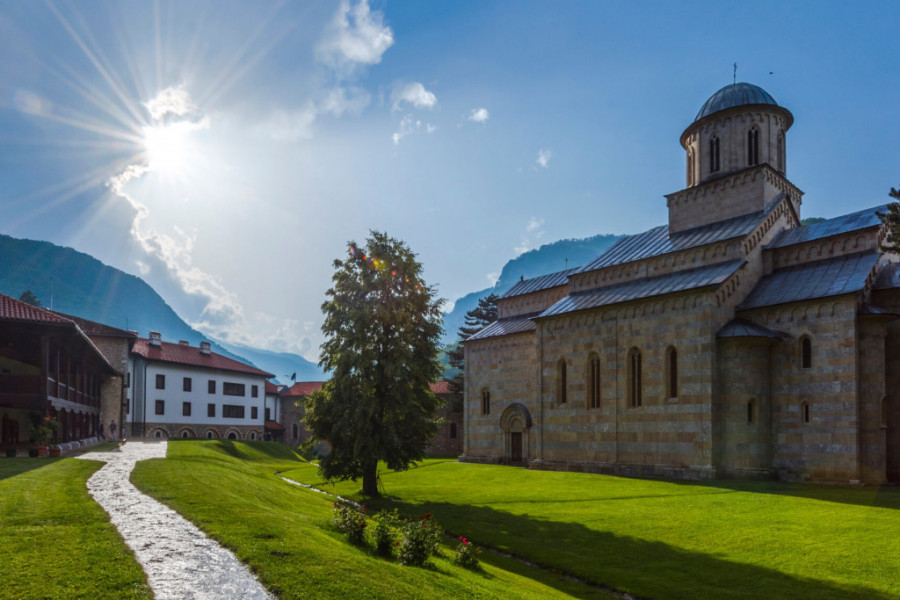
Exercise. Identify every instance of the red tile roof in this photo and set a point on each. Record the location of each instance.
(271, 388)
(440, 387)
(16, 310)
(274, 426)
(303, 388)
(191, 355)
(94, 328)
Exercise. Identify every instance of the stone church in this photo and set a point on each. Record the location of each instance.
(731, 343)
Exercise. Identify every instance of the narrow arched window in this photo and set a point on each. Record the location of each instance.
(561, 383)
(804, 412)
(485, 402)
(753, 147)
(593, 380)
(295, 430)
(690, 167)
(672, 372)
(751, 411)
(634, 390)
(805, 352)
(781, 156)
(714, 154)
(452, 431)
(209, 435)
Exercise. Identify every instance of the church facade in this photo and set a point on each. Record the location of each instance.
(731, 343)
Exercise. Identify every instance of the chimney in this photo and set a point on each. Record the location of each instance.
(204, 348)
(155, 339)
(183, 343)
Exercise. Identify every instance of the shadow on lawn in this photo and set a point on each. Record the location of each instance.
(645, 569)
(16, 466)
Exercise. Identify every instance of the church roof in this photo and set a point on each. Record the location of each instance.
(830, 277)
(658, 241)
(680, 281)
(507, 326)
(736, 94)
(862, 219)
(537, 284)
(742, 328)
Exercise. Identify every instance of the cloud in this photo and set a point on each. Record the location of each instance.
(289, 125)
(530, 236)
(356, 36)
(543, 158)
(493, 278)
(410, 125)
(413, 93)
(479, 115)
(339, 100)
(172, 100)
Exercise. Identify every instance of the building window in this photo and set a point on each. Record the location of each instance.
(254, 391)
(268, 414)
(781, 157)
(211, 386)
(753, 147)
(210, 410)
(232, 435)
(452, 431)
(233, 389)
(672, 372)
(295, 430)
(690, 167)
(160, 382)
(561, 383)
(804, 412)
(232, 411)
(634, 388)
(252, 435)
(128, 379)
(714, 154)
(186, 384)
(485, 402)
(185, 409)
(751, 411)
(158, 434)
(593, 380)
(160, 407)
(210, 435)
(254, 412)
(805, 352)
(184, 435)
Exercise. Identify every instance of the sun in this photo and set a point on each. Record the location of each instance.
(168, 148)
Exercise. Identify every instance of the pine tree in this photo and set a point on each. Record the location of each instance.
(29, 297)
(476, 319)
(891, 219)
(382, 325)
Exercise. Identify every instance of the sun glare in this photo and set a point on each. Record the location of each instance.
(168, 147)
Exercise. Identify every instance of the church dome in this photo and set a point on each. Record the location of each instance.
(736, 94)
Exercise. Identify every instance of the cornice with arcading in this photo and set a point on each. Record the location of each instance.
(732, 181)
(849, 243)
(764, 229)
(675, 302)
(803, 310)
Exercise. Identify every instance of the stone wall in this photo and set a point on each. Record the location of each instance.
(292, 412)
(116, 350)
(449, 437)
(215, 431)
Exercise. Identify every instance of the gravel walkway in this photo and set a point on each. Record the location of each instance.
(180, 561)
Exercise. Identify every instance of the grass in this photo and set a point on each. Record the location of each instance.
(283, 532)
(55, 541)
(659, 539)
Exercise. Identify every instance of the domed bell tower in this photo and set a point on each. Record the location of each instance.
(736, 158)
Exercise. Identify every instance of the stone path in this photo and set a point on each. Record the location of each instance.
(180, 561)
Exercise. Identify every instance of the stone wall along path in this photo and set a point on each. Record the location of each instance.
(180, 561)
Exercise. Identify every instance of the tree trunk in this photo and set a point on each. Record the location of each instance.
(370, 480)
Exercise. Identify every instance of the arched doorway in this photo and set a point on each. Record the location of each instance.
(515, 422)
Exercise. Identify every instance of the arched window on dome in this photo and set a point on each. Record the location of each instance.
(781, 156)
(714, 164)
(753, 147)
(690, 167)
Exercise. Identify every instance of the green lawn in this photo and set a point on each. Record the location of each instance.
(55, 541)
(283, 532)
(659, 539)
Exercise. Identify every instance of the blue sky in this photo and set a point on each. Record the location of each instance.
(227, 151)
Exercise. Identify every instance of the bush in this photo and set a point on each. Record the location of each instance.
(419, 540)
(350, 522)
(384, 532)
(467, 555)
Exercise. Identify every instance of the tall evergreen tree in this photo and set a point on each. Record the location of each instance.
(29, 297)
(476, 319)
(892, 221)
(382, 325)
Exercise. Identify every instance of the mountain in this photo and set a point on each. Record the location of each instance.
(75, 283)
(549, 258)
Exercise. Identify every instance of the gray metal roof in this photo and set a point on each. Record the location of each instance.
(862, 219)
(536, 284)
(646, 288)
(508, 326)
(742, 328)
(821, 279)
(736, 94)
(658, 241)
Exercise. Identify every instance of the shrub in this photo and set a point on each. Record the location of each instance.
(384, 532)
(350, 522)
(419, 540)
(467, 555)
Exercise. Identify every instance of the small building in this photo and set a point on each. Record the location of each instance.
(183, 391)
(292, 411)
(448, 439)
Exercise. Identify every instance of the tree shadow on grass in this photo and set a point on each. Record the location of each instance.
(16, 466)
(643, 568)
